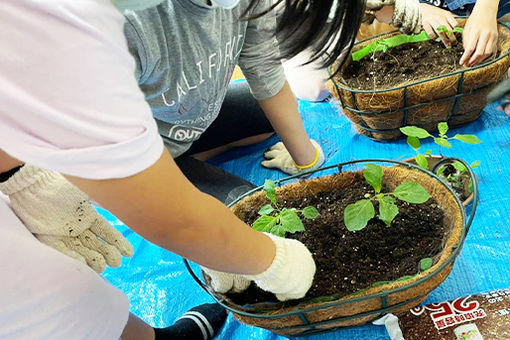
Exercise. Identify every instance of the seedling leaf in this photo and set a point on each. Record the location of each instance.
(357, 215)
(265, 223)
(387, 210)
(475, 164)
(413, 142)
(442, 142)
(266, 210)
(290, 221)
(411, 192)
(443, 128)
(425, 263)
(470, 139)
(269, 189)
(422, 161)
(310, 213)
(442, 28)
(415, 131)
(459, 166)
(458, 30)
(278, 230)
(441, 170)
(427, 152)
(373, 175)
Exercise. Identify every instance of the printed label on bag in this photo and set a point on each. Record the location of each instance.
(475, 317)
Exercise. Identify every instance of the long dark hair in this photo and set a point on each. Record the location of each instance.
(306, 24)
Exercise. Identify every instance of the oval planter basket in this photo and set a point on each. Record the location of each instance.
(307, 317)
(435, 161)
(457, 98)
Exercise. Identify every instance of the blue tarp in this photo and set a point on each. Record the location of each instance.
(160, 289)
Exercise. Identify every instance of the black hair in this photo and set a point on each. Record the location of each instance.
(306, 24)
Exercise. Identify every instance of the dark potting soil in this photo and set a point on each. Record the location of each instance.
(350, 261)
(403, 64)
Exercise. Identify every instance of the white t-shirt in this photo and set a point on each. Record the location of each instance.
(68, 94)
(47, 295)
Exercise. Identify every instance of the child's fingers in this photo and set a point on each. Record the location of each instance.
(272, 154)
(469, 47)
(479, 53)
(273, 163)
(452, 21)
(430, 31)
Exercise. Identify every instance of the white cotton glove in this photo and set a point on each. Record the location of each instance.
(61, 216)
(406, 14)
(289, 276)
(279, 158)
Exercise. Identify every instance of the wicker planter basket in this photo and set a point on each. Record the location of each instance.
(457, 98)
(331, 313)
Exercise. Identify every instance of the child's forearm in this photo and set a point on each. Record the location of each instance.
(167, 210)
(282, 111)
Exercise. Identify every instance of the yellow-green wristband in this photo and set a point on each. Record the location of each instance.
(308, 166)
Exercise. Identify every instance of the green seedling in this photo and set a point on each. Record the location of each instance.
(415, 134)
(456, 179)
(357, 215)
(279, 221)
(445, 30)
(385, 44)
(401, 39)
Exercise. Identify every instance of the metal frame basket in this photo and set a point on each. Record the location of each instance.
(457, 97)
(313, 318)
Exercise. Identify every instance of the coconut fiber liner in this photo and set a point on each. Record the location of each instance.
(319, 316)
(457, 97)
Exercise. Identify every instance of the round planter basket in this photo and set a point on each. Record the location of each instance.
(311, 316)
(457, 98)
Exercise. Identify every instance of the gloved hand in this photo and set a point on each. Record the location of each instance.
(279, 158)
(61, 216)
(406, 14)
(289, 276)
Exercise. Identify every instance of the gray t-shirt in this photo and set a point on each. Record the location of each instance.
(186, 52)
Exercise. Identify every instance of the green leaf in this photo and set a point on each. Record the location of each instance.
(470, 185)
(442, 142)
(442, 28)
(265, 223)
(290, 221)
(269, 189)
(387, 210)
(413, 142)
(278, 230)
(357, 215)
(415, 131)
(411, 192)
(470, 139)
(427, 152)
(425, 263)
(475, 164)
(266, 210)
(373, 175)
(422, 161)
(310, 213)
(441, 170)
(443, 128)
(458, 30)
(459, 166)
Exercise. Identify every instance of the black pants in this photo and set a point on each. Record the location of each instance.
(240, 117)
